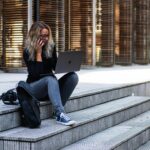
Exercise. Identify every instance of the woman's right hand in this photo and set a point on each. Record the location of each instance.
(39, 46)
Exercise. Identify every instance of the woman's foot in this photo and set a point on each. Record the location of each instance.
(65, 120)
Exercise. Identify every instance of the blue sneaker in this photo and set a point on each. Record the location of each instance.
(65, 120)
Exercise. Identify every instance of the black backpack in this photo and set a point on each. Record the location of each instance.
(30, 111)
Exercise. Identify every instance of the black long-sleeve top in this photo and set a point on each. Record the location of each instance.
(37, 70)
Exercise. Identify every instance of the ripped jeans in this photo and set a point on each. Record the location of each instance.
(58, 91)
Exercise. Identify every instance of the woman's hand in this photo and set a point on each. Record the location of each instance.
(39, 46)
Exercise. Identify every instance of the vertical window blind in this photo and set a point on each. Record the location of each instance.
(67, 27)
(81, 28)
(14, 31)
(52, 12)
(142, 39)
(126, 32)
(107, 38)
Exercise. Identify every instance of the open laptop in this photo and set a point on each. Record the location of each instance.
(68, 61)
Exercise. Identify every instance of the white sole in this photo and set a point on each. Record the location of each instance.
(70, 123)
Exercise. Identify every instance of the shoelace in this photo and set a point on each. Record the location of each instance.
(65, 116)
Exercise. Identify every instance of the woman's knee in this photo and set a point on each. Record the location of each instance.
(74, 77)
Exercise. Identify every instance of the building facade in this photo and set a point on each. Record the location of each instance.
(108, 32)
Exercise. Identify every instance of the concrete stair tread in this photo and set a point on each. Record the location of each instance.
(11, 108)
(8, 108)
(49, 127)
(114, 136)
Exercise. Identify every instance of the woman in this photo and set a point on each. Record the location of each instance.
(40, 58)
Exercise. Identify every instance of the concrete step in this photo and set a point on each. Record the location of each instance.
(145, 146)
(78, 101)
(128, 135)
(89, 121)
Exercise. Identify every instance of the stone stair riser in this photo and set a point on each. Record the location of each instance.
(10, 120)
(135, 142)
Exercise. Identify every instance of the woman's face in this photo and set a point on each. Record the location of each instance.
(44, 35)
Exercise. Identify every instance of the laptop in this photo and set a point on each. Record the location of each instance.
(68, 61)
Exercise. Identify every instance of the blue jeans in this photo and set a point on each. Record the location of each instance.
(58, 91)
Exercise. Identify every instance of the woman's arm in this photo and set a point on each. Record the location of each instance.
(35, 68)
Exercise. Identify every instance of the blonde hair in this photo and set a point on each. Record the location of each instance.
(33, 36)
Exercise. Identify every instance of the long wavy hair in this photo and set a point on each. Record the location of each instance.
(33, 36)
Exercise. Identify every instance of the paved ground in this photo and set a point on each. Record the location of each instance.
(91, 78)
